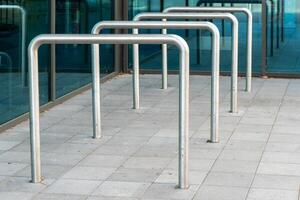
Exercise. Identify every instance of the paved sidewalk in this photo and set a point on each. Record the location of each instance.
(258, 157)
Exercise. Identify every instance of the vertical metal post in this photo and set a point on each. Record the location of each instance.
(234, 69)
(34, 115)
(23, 40)
(136, 74)
(249, 52)
(164, 84)
(164, 62)
(264, 38)
(282, 19)
(96, 91)
(215, 88)
(277, 22)
(184, 116)
(52, 71)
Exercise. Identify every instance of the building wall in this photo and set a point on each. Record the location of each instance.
(73, 66)
(201, 55)
(73, 69)
(283, 59)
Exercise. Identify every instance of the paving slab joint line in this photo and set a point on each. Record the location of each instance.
(264, 150)
(223, 148)
(299, 193)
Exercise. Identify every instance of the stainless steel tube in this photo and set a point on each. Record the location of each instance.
(23, 36)
(173, 25)
(108, 39)
(136, 75)
(235, 28)
(10, 72)
(249, 16)
(164, 62)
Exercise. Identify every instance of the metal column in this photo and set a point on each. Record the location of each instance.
(23, 44)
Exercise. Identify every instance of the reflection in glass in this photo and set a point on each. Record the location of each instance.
(20, 21)
(73, 62)
(151, 57)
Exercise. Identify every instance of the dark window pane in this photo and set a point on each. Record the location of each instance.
(13, 66)
(74, 61)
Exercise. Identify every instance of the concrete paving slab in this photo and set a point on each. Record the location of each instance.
(136, 159)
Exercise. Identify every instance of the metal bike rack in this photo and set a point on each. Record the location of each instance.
(228, 16)
(169, 25)
(249, 16)
(108, 39)
(23, 46)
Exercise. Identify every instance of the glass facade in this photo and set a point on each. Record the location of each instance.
(201, 55)
(73, 62)
(73, 66)
(78, 16)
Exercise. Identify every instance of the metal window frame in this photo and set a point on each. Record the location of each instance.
(264, 38)
(235, 36)
(23, 38)
(264, 57)
(232, 10)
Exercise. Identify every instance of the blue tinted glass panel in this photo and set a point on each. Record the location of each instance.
(73, 62)
(201, 51)
(13, 65)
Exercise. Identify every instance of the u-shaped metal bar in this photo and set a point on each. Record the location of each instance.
(214, 134)
(249, 16)
(235, 44)
(183, 181)
(23, 44)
